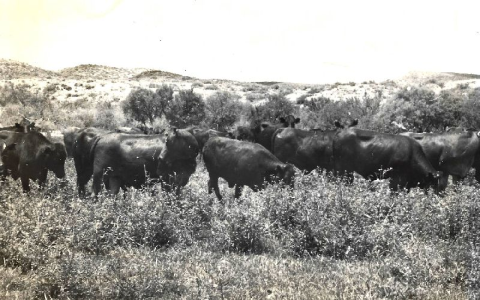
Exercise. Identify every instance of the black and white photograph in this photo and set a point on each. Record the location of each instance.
(221, 149)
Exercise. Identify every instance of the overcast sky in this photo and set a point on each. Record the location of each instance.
(295, 41)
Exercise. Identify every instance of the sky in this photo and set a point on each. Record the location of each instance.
(247, 40)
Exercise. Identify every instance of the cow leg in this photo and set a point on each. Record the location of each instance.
(213, 184)
(83, 176)
(42, 178)
(114, 185)
(25, 184)
(238, 191)
(457, 179)
(97, 182)
(443, 181)
(477, 174)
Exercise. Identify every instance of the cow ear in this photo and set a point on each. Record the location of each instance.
(297, 120)
(264, 125)
(175, 130)
(338, 125)
(282, 120)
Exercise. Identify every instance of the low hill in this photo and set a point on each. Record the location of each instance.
(154, 74)
(91, 71)
(10, 69)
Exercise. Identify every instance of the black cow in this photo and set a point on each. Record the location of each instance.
(82, 152)
(263, 133)
(202, 135)
(380, 155)
(69, 136)
(476, 161)
(306, 149)
(126, 160)
(31, 155)
(242, 163)
(453, 153)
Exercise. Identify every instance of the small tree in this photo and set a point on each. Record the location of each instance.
(108, 116)
(223, 109)
(416, 108)
(144, 105)
(187, 108)
(471, 110)
(277, 105)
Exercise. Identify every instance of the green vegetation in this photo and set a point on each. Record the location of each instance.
(322, 240)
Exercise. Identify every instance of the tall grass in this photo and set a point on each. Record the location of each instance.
(322, 240)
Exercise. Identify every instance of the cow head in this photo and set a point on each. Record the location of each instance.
(55, 156)
(180, 144)
(177, 174)
(289, 121)
(244, 133)
(286, 173)
(177, 161)
(10, 158)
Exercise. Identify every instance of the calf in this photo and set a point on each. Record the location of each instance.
(243, 163)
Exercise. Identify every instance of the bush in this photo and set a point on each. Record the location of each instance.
(197, 84)
(277, 105)
(108, 116)
(187, 108)
(33, 106)
(144, 106)
(223, 109)
(211, 87)
(470, 110)
(416, 108)
(254, 96)
(322, 112)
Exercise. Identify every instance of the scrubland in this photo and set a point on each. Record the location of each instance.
(322, 240)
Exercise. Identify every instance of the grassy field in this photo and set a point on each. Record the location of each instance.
(324, 240)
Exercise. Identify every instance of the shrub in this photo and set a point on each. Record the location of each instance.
(254, 96)
(316, 89)
(144, 106)
(470, 109)
(32, 105)
(277, 105)
(187, 108)
(108, 116)
(416, 108)
(197, 84)
(223, 109)
(211, 87)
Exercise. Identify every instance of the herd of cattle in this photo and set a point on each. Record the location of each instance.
(130, 157)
